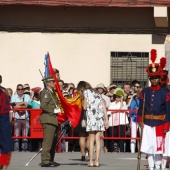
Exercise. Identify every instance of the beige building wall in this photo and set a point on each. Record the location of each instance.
(77, 56)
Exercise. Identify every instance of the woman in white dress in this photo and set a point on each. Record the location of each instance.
(97, 119)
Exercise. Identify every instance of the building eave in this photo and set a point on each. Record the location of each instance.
(89, 3)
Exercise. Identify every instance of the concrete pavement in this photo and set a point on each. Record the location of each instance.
(71, 161)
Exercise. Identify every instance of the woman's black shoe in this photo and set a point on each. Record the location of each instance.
(83, 158)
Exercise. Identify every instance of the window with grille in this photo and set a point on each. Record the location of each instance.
(129, 66)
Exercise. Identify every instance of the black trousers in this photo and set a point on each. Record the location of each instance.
(117, 131)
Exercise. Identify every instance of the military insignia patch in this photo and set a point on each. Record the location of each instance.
(46, 96)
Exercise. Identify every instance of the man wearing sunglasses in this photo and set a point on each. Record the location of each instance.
(134, 105)
(154, 115)
(21, 118)
(135, 86)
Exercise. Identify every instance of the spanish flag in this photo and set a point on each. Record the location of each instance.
(72, 107)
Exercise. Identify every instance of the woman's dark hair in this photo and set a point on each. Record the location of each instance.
(65, 85)
(61, 81)
(36, 95)
(82, 85)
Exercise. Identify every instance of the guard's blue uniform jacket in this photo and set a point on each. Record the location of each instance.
(157, 104)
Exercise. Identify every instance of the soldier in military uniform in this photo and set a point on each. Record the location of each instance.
(49, 122)
(156, 115)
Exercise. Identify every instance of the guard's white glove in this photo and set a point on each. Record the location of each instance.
(57, 110)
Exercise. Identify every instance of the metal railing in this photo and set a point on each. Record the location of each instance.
(117, 120)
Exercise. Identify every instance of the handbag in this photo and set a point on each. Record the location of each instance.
(84, 121)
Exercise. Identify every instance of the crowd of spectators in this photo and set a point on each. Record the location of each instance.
(121, 123)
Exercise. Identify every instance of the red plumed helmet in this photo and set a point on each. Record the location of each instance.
(154, 69)
(164, 76)
(162, 62)
(153, 55)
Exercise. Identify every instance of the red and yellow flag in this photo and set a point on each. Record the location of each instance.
(72, 107)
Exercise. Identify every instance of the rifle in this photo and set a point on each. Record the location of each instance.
(139, 152)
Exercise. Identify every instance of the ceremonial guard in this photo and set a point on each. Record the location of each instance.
(49, 122)
(166, 155)
(5, 131)
(154, 112)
